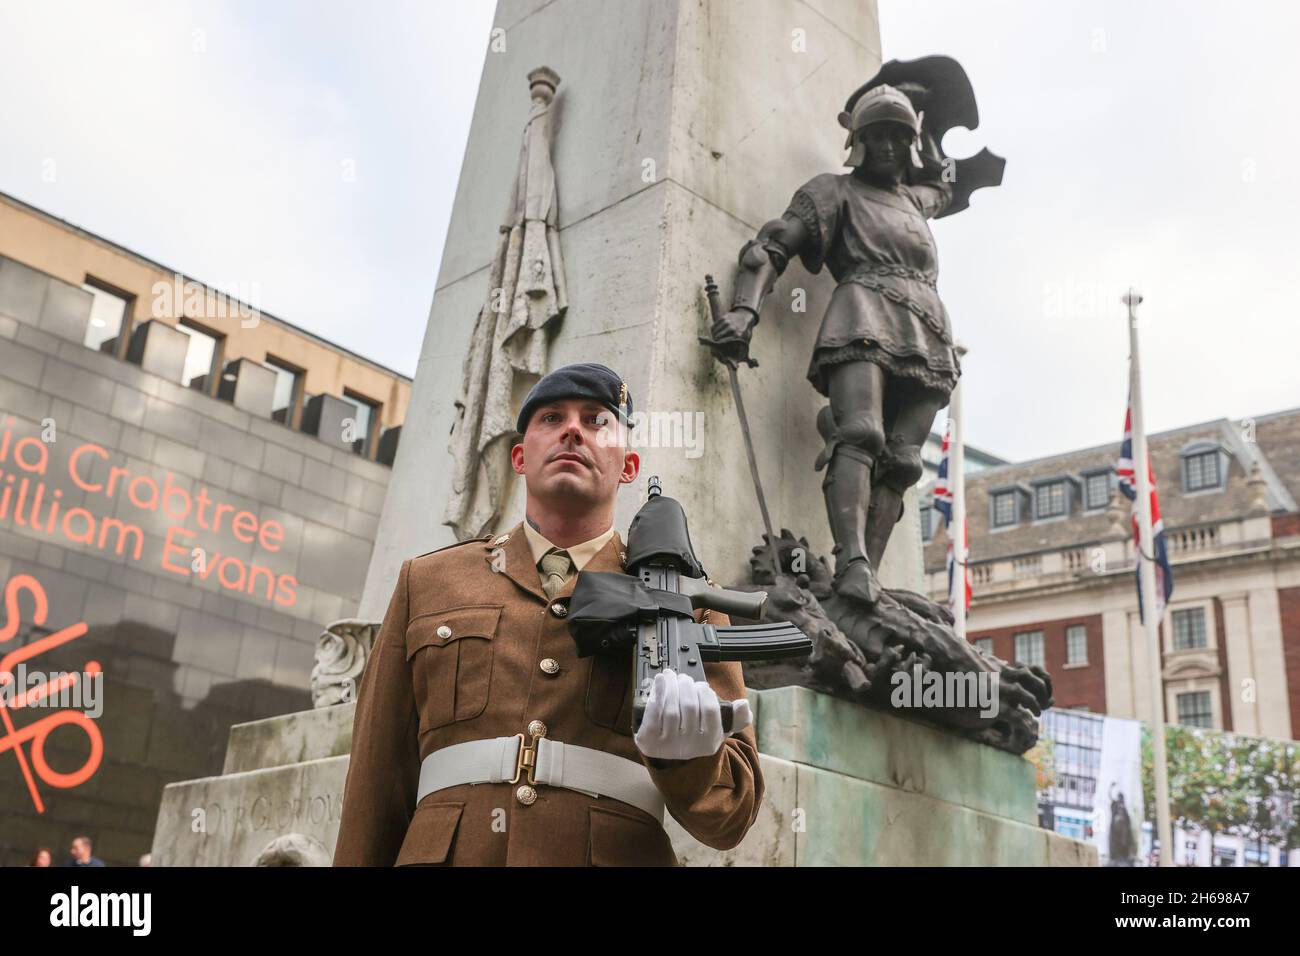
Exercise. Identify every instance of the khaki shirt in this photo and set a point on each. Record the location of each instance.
(580, 554)
(509, 659)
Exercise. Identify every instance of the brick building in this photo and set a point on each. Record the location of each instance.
(1052, 574)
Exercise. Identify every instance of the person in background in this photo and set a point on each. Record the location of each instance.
(42, 857)
(80, 854)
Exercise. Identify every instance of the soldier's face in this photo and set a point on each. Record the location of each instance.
(574, 453)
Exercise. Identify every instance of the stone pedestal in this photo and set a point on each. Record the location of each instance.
(848, 786)
(845, 787)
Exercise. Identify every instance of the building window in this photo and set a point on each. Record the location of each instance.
(200, 357)
(288, 391)
(1194, 709)
(367, 421)
(984, 645)
(1225, 856)
(108, 317)
(1189, 629)
(1096, 490)
(1255, 853)
(1203, 471)
(1202, 467)
(927, 523)
(1076, 644)
(1004, 509)
(1049, 500)
(1029, 648)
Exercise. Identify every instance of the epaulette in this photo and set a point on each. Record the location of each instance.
(486, 537)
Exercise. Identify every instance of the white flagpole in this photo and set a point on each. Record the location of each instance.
(957, 483)
(1146, 561)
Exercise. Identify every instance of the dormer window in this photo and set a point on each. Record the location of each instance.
(1204, 467)
(1202, 471)
(1049, 500)
(1098, 488)
(1054, 496)
(1006, 510)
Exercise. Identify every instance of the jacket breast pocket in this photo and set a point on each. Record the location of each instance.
(450, 655)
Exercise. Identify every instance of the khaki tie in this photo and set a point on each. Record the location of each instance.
(556, 566)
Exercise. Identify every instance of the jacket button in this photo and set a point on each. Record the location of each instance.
(559, 609)
(444, 632)
(526, 795)
(549, 665)
(536, 728)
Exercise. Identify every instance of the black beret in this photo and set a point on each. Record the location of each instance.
(584, 380)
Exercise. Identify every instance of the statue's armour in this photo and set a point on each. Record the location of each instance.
(878, 246)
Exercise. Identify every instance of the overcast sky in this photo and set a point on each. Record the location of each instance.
(311, 149)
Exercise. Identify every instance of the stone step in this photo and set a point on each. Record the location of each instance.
(290, 738)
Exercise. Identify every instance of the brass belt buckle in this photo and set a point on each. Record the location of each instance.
(527, 757)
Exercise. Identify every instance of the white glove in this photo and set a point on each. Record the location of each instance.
(683, 719)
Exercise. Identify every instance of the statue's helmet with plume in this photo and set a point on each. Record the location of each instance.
(880, 104)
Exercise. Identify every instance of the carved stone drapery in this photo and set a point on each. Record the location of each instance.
(526, 295)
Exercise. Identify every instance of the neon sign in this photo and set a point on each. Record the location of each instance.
(38, 731)
(27, 501)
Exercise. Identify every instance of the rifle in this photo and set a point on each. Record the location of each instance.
(649, 611)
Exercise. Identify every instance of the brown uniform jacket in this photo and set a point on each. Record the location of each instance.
(420, 692)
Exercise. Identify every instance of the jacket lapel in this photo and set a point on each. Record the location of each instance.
(514, 559)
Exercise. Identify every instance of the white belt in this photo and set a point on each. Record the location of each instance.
(499, 760)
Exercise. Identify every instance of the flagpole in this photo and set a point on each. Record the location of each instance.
(957, 482)
(1146, 561)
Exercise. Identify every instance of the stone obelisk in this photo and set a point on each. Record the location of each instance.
(678, 129)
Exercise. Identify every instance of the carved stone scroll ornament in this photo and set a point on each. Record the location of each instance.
(858, 649)
(341, 654)
(526, 295)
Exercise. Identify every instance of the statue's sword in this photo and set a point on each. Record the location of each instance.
(715, 307)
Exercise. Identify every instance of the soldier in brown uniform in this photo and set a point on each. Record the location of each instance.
(481, 738)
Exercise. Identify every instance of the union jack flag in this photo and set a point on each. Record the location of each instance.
(943, 505)
(1128, 485)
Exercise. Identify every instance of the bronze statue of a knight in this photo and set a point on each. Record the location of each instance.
(884, 355)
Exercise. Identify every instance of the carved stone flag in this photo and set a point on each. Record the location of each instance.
(526, 293)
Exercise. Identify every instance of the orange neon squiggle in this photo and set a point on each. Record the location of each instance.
(38, 731)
